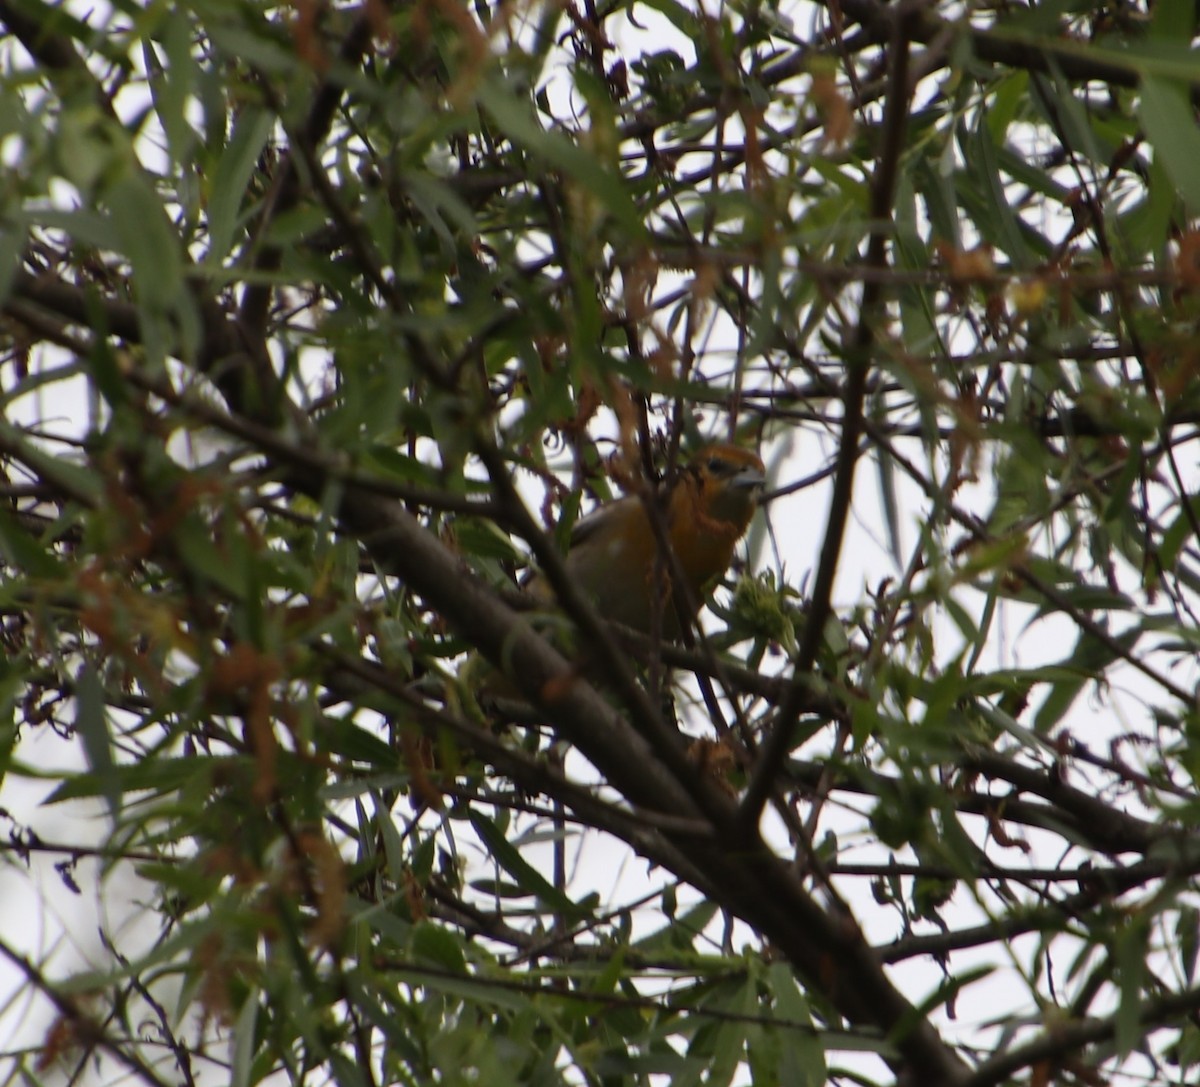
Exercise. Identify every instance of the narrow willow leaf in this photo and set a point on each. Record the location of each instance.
(91, 719)
(233, 174)
(1167, 116)
(244, 1042)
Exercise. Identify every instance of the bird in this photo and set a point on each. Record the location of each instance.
(613, 552)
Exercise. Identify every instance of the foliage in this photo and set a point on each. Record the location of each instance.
(319, 321)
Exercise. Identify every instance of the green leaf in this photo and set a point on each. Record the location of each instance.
(995, 216)
(802, 1062)
(11, 683)
(485, 539)
(149, 775)
(681, 932)
(394, 931)
(1008, 99)
(887, 497)
(149, 240)
(528, 877)
(1166, 114)
(23, 553)
(244, 1042)
(441, 207)
(91, 719)
(75, 480)
(626, 1067)
(85, 226)
(1066, 113)
(1143, 228)
(1178, 533)
(682, 16)
(435, 944)
(516, 119)
(727, 1042)
(12, 246)
(1056, 703)
(196, 545)
(1187, 939)
(1173, 21)
(474, 988)
(234, 171)
(173, 87)
(936, 187)
(1130, 955)
(354, 742)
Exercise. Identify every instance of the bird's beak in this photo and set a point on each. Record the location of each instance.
(748, 479)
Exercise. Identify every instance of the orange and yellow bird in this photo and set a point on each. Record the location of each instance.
(613, 552)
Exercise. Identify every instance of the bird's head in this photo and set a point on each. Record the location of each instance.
(728, 481)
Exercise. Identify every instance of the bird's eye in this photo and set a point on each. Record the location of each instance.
(718, 465)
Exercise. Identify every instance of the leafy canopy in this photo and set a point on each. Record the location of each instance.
(321, 323)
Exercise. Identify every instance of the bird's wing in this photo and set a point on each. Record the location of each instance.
(589, 530)
(594, 524)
